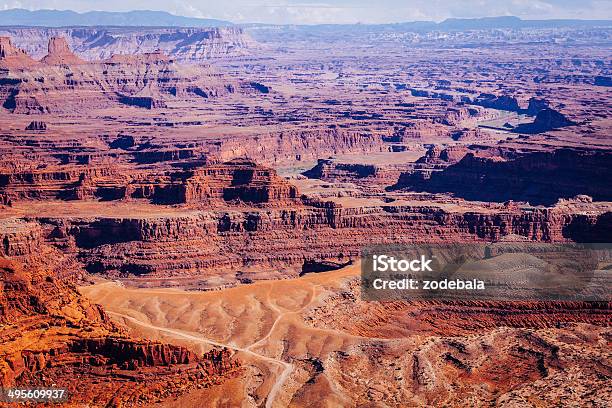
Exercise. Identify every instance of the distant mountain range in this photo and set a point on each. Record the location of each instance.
(64, 18)
(513, 22)
(147, 18)
(458, 24)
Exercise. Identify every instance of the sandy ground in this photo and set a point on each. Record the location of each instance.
(261, 322)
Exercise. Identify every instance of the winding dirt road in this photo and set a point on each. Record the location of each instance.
(280, 381)
(276, 297)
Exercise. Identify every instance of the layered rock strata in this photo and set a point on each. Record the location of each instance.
(63, 82)
(60, 54)
(50, 334)
(12, 57)
(223, 241)
(95, 43)
(238, 180)
(540, 177)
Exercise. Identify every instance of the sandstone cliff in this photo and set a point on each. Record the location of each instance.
(63, 82)
(540, 177)
(50, 334)
(235, 181)
(220, 242)
(238, 214)
(60, 54)
(12, 57)
(97, 43)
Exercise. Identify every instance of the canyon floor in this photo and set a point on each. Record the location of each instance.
(308, 342)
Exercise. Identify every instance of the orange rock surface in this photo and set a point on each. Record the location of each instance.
(51, 334)
(60, 54)
(194, 202)
(13, 57)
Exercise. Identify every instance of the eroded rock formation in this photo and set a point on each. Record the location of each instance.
(12, 57)
(545, 120)
(540, 177)
(37, 125)
(238, 180)
(157, 174)
(63, 82)
(96, 43)
(60, 54)
(51, 334)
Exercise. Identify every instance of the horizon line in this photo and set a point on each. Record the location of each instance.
(287, 24)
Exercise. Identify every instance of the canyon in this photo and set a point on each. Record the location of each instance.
(312, 338)
(51, 334)
(99, 43)
(183, 211)
(61, 81)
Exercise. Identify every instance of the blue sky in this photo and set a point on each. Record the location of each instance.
(338, 11)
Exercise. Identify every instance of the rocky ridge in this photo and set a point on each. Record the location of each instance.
(75, 340)
(63, 82)
(238, 180)
(98, 43)
(539, 177)
(13, 57)
(60, 54)
(238, 214)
